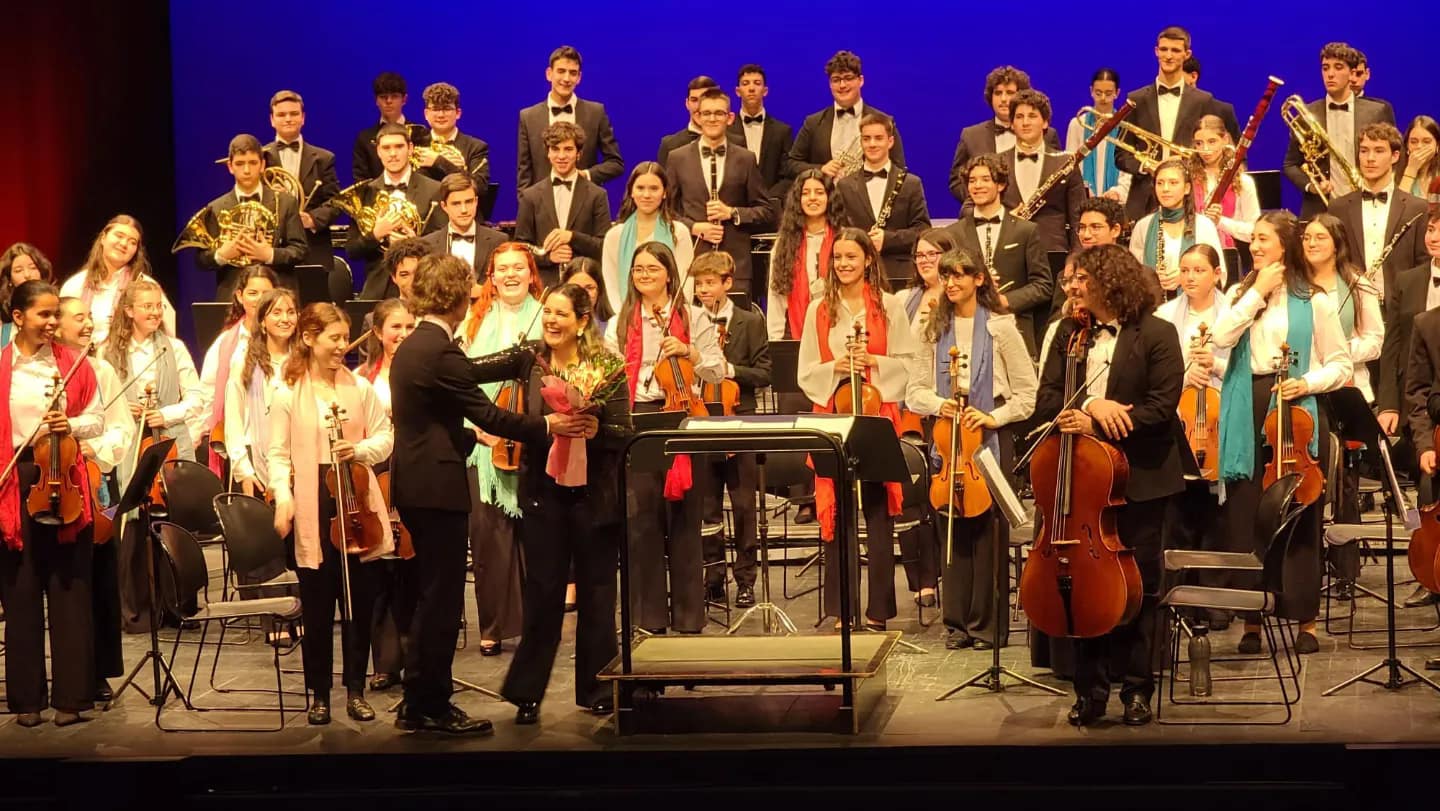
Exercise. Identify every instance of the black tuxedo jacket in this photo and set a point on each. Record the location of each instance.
(365, 161)
(979, 139)
(1058, 217)
(1403, 302)
(909, 217)
(1019, 259)
(686, 137)
(1226, 111)
(420, 190)
(589, 219)
(1146, 372)
(741, 189)
(1409, 251)
(290, 245)
(1367, 112)
(434, 388)
(1194, 105)
(1422, 369)
(811, 149)
(776, 137)
(1389, 109)
(747, 348)
(601, 154)
(317, 178)
(477, 161)
(486, 241)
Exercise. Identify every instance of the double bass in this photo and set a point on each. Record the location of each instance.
(1200, 414)
(356, 529)
(726, 393)
(1080, 580)
(958, 487)
(56, 498)
(1288, 430)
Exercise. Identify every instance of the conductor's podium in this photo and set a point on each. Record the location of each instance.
(749, 683)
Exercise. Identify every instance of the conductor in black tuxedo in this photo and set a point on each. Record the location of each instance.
(563, 213)
(691, 133)
(394, 147)
(1131, 405)
(767, 137)
(830, 139)
(391, 94)
(1009, 247)
(1343, 115)
(600, 160)
(1379, 216)
(1168, 107)
(442, 113)
(1413, 292)
(286, 248)
(882, 186)
(994, 135)
(312, 166)
(1031, 164)
(434, 388)
(463, 236)
(716, 190)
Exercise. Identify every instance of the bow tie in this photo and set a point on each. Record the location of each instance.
(295, 145)
(839, 111)
(1110, 328)
(995, 220)
(1027, 156)
(882, 174)
(1377, 196)
(707, 152)
(569, 184)
(752, 119)
(998, 128)
(397, 186)
(1344, 108)
(1169, 91)
(470, 238)
(566, 108)
(249, 198)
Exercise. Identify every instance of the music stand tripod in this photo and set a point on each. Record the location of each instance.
(137, 497)
(772, 616)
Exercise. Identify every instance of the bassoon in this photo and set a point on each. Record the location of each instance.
(1246, 138)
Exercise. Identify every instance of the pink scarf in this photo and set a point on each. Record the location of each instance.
(1227, 209)
(228, 341)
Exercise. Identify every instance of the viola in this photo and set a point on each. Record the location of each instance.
(727, 391)
(1200, 414)
(356, 529)
(150, 401)
(1288, 430)
(56, 498)
(1079, 580)
(676, 377)
(958, 487)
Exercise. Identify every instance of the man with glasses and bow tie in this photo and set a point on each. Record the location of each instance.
(880, 181)
(599, 160)
(830, 139)
(393, 145)
(994, 135)
(564, 214)
(286, 249)
(465, 237)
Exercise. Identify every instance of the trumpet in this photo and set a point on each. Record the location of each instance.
(248, 219)
(1152, 149)
(351, 200)
(1315, 144)
(280, 179)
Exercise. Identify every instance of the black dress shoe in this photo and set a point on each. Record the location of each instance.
(358, 708)
(319, 714)
(28, 719)
(527, 712)
(384, 681)
(1305, 642)
(1421, 597)
(1249, 643)
(1085, 712)
(453, 721)
(956, 640)
(925, 600)
(103, 693)
(1137, 712)
(1344, 591)
(744, 597)
(1433, 663)
(983, 644)
(604, 706)
(492, 650)
(805, 514)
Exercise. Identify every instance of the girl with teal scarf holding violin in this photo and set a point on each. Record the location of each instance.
(1277, 304)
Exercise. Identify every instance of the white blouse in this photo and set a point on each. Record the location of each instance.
(1014, 373)
(1205, 234)
(1247, 208)
(610, 260)
(891, 373)
(374, 448)
(30, 378)
(1187, 324)
(776, 307)
(1268, 323)
(703, 337)
(1368, 336)
(241, 426)
(105, 298)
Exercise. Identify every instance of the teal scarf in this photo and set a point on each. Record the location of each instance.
(1237, 407)
(498, 487)
(629, 236)
(1152, 235)
(982, 369)
(1092, 170)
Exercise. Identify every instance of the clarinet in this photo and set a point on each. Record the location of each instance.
(1030, 207)
(889, 203)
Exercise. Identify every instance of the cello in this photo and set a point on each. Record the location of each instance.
(1288, 429)
(356, 529)
(56, 498)
(726, 393)
(958, 486)
(1200, 414)
(1079, 580)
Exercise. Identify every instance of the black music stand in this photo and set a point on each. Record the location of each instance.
(784, 369)
(1355, 422)
(137, 497)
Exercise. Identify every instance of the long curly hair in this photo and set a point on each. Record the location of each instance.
(122, 325)
(666, 258)
(314, 319)
(1119, 278)
(790, 235)
(1297, 274)
(95, 269)
(236, 313)
(480, 307)
(874, 270)
(958, 261)
(257, 352)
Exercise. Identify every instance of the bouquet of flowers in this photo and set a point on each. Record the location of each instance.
(581, 388)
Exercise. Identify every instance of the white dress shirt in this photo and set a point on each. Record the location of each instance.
(989, 237)
(563, 196)
(1099, 362)
(711, 367)
(465, 249)
(374, 448)
(845, 134)
(754, 132)
(189, 409)
(1205, 234)
(1374, 218)
(712, 167)
(726, 314)
(1028, 173)
(1340, 126)
(1268, 322)
(114, 440)
(290, 158)
(1169, 106)
(30, 378)
(875, 186)
(242, 428)
(1187, 323)
(1014, 373)
(552, 102)
(1241, 225)
(892, 371)
(1005, 139)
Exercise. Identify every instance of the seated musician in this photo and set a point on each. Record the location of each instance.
(645, 216)
(300, 457)
(564, 213)
(1161, 236)
(287, 246)
(398, 183)
(996, 379)
(884, 200)
(117, 256)
(747, 362)
(442, 111)
(1031, 163)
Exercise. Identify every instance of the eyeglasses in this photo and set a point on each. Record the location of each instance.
(646, 270)
(927, 256)
(843, 78)
(712, 114)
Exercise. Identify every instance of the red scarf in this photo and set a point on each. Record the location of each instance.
(78, 394)
(1227, 209)
(876, 344)
(679, 478)
(799, 300)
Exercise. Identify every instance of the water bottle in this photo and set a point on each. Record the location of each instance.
(1200, 661)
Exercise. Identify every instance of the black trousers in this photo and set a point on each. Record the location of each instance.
(321, 591)
(880, 549)
(1128, 651)
(440, 538)
(971, 581)
(920, 552)
(561, 533)
(105, 610)
(496, 556)
(737, 474)
(47, 571)
(394, 610)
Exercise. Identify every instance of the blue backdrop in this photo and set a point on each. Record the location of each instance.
(924, 62)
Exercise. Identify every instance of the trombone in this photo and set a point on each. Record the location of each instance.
(1151, 149)
(1314, 144)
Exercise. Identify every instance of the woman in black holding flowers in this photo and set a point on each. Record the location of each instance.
(570, 511)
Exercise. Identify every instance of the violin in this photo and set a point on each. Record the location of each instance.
(1425, 544)
(505, 454)
(676, 377)
(1288, 429)
(1200, 414)
(149, 401)
(856, 395)
(1079, 580)
(958, 487)
(727, 391)
(356, 529)
(56, 499)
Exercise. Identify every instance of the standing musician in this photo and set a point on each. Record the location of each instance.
(229, 348)
(569, 525)
(41, 563)
(287, 247)
(645, 216)
(398, 182)
(463, 236)
(926, 288)
(1134, 375)
(691, 133)
(653, 326)
(1235, 215)
(1422, 158)
(885, 200)
(992, 136)
(741, 335)
(504, 314)
(1099, 223)
(1277, 304)
(1102, 175)
(856, 293)
(313, 380)
(599, 159)
(442, 112)
(585, 273)
(117, 257)
(1423, 369)
(1160, 237)
(716, 190)
(767, 137)
(1414, 293)
(433, 389)
(800, 262)
(1383, 223)
(830, 139)
(19, 264)
(565, 213)
(391, 94)
(250, 389)
(1031, 164)
(312, 166)
(995, 375)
